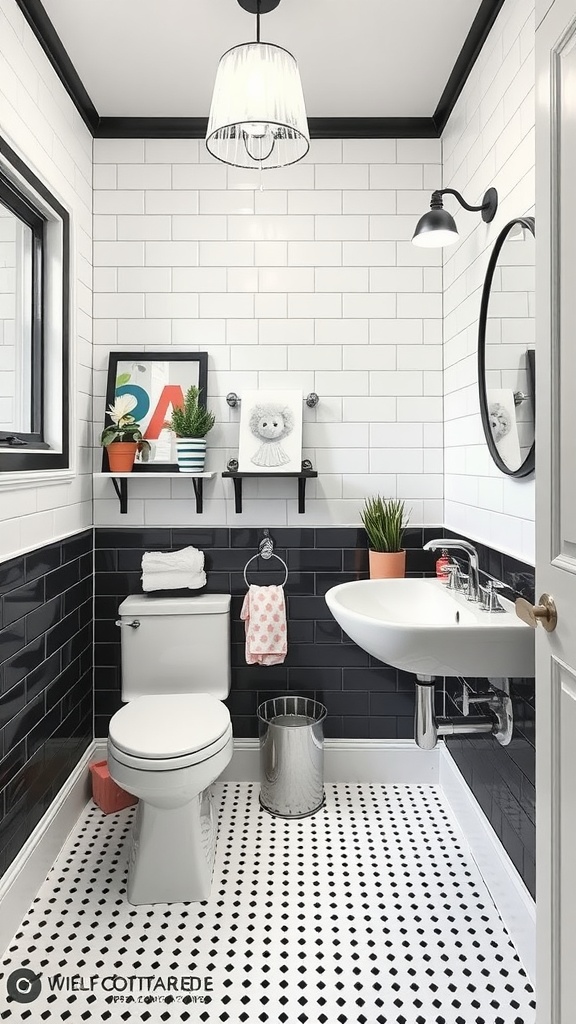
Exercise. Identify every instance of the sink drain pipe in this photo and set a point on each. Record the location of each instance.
(428, 728)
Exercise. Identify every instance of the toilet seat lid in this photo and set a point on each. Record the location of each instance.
(170, 725)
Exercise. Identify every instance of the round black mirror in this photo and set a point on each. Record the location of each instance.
(506, 372)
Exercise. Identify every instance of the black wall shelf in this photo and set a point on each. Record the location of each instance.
(120, 482)
(301, 477)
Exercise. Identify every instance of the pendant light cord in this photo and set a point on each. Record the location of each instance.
(258, 40)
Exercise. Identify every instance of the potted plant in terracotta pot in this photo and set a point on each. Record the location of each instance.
(191, 422)
(123, 437)
(385, 521)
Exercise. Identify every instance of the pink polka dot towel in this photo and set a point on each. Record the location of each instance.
(264, 616)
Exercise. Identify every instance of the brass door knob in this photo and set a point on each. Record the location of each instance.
(545, 612)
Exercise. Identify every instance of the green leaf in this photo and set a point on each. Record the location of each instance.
(191, 419)
(122, 379)
(110, 434)
(384, 521)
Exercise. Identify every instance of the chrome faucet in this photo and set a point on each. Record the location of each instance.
(473, 589)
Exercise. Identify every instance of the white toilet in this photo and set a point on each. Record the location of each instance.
(172, 739)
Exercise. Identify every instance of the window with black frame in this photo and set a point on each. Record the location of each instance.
(34, 284)
(21, 255)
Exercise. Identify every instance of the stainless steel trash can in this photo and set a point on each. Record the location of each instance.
(291, 756)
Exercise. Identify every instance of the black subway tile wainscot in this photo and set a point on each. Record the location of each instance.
(47, 599)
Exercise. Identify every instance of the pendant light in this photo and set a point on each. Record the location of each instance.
(257, 116)
(437, 228)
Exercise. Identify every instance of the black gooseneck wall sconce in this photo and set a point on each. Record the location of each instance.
(438, 227)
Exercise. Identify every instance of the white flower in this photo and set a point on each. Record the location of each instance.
(122, 408)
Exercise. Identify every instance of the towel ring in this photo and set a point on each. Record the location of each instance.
(266, 550)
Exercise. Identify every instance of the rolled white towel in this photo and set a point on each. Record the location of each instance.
(189, 560)
(173, 581)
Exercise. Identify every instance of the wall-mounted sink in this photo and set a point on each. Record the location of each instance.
(420, 626)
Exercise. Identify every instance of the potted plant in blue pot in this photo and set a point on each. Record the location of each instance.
(191, 422)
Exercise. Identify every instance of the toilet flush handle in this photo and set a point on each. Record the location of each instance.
(134, 624)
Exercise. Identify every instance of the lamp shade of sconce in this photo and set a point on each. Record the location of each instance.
(258, 116)
(437, 228)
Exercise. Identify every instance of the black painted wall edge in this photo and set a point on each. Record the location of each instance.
(53, 47)
(320, 127)
(483, 22)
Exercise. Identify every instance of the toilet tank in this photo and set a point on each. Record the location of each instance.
(181, 645)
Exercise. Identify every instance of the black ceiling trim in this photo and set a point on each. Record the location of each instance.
(320, 127)
(483, 22)
(151, 128)
(53, 47)
(372, 127)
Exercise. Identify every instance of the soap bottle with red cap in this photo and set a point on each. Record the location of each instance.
(442, 566)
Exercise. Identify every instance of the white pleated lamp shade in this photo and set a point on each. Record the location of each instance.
(258, 117)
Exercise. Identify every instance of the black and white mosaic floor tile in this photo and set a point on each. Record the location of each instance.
(371, 912)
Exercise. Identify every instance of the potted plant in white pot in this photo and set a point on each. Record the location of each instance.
(191, 422)
(123, 437)
(385, 520)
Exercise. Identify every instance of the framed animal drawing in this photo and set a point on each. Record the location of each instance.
(270, 432)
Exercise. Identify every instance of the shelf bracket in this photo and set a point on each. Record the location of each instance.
(237, 482)
(121, 488)
(302, 493)
(307, 473)
(198, 483)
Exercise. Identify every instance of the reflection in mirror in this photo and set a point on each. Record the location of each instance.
(506, 349)
(15, 323)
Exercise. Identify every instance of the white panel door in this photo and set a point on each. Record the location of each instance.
(556, 512)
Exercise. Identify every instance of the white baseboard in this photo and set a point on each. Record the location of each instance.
(380, 761)
(100, 749)
(394, 761)
(513, 901)
(19, 885)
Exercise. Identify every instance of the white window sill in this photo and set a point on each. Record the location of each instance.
(35, 478)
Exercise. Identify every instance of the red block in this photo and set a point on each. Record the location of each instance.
(105, 792)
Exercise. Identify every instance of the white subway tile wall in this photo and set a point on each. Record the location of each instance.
(311, 279)
(40, 122)
(489, 140)
(309, 282)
